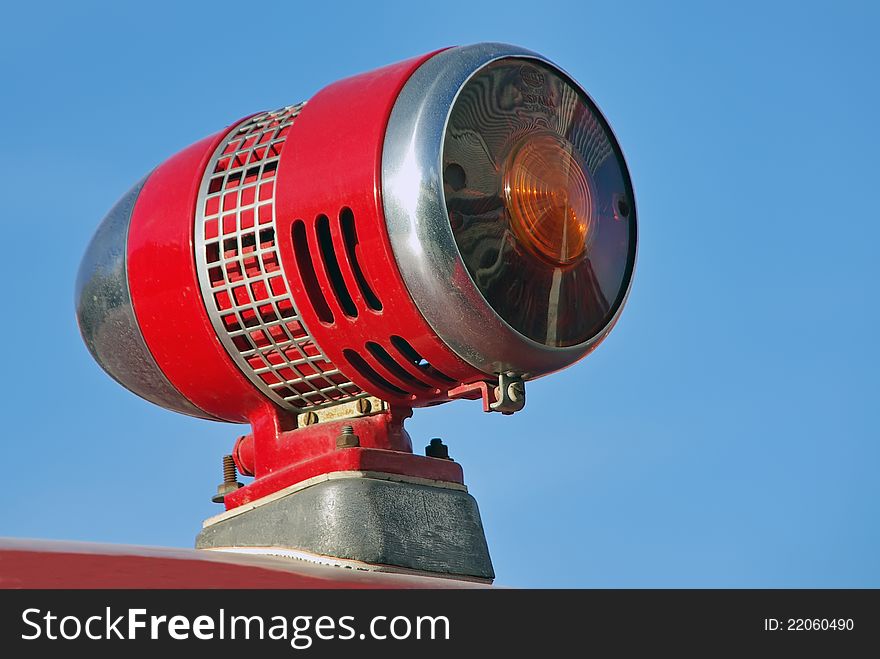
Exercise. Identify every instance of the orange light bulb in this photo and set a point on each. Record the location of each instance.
(549, 199)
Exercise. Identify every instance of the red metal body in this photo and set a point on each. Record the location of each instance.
(324, 196)
(165, 291)
(334, 168)
(334, 172)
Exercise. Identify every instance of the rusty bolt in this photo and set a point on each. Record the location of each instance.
(347, 439)
(230, 483)
(365, 406)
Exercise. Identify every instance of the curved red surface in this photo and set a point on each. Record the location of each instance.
(334, 162)
(43, 564)
(165, 290)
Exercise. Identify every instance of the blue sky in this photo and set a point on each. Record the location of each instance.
(725, 434)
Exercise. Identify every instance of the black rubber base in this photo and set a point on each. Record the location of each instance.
(380, 522)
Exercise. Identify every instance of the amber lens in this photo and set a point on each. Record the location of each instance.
(539, 201)
(548, 196)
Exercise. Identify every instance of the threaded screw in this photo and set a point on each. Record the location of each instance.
(230, 480)
(229, 472)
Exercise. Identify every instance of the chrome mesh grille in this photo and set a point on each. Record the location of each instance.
(242, 280)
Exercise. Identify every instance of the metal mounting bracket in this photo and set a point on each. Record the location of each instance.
(507, 397)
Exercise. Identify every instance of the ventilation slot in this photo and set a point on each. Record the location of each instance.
(413, 356)
(369, 374)
(349, 236)
(325, 242)
(307, 272)
(388, 362)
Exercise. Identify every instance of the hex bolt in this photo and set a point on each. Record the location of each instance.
(347, 439)
(437, 449)
(365, 406)
(230, 483)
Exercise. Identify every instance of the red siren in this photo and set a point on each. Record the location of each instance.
(451, 226)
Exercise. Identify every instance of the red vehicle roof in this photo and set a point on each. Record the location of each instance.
(54, 564)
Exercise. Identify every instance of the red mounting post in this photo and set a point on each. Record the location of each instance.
(280, 455)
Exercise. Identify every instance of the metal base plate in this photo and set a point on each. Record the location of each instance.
(371, 520)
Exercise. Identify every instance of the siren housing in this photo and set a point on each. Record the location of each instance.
(447, 227)
(404, 234)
